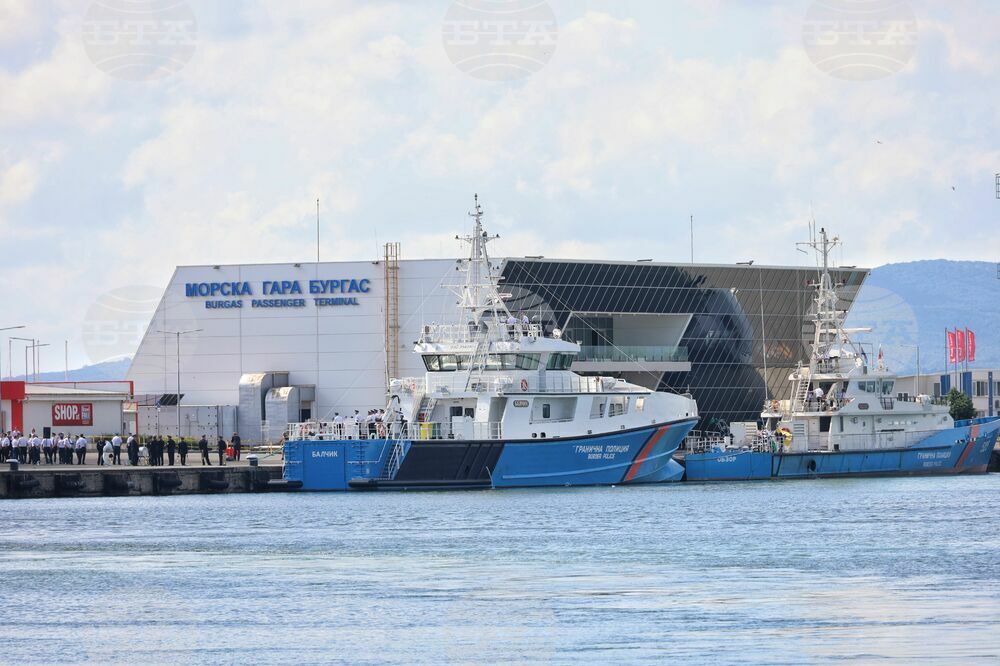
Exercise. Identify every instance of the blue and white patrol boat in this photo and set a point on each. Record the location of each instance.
(498, 407)
(843, 418)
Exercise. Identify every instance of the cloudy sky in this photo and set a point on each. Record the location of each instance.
(633, 116)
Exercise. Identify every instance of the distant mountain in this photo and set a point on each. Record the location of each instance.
(88, 373)
(913, 303)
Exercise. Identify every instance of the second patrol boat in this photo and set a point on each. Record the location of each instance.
(843, 418)
(498, 406)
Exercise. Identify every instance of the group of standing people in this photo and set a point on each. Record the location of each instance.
(63, 449)
(156, 448)
(220, 446)
(352, 426)
(30, 449)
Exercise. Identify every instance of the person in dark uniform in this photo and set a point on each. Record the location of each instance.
(132, 448)
(221, 446)
(182, 448)
(171, 448)
(203, 447)
(237, 446)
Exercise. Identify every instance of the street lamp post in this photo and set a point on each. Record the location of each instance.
(26, 347)
(36, 358)
(179, 334)
(916, 378)
(6, 328)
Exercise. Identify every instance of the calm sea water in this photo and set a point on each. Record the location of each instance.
(782, 572)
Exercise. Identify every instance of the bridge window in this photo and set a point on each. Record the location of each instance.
(455, 362)
(559, 361)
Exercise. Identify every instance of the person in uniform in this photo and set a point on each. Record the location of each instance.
(47, 449)
(34, 449)
(22, 448)
(81, 450)
(237, 445)
(203, 447)
(5, 447)
(171, 449)
(132, 450)
(221, 446)
(99, 450)
(116, 444)
(182, 449)
(358, 420)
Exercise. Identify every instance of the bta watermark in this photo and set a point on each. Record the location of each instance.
(860, 40)
(140, 40)
(499, 40)
(114, 324)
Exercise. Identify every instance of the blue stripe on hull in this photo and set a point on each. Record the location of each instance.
(636, 456)
(603, 460)
(961, 450)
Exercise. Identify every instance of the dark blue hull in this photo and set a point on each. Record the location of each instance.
(641, 455)
(964, 449)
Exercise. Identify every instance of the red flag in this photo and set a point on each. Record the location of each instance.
(970, 341)
(951, 346)
(960, 344)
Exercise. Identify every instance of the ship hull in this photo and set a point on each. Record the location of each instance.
(637, 456)
(964, 449)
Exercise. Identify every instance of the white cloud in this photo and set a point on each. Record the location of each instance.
(603, 153)
(18, 21)
(64, 89)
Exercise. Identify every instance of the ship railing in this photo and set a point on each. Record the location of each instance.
(396, 430)
(473, 333)
(451, 383)
(554, 382)
(570, 383)
(430, 430)
(887, 439)
(698, 441)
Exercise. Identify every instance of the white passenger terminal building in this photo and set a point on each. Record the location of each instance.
(265, 344)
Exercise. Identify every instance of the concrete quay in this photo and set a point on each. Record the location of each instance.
(92, 480)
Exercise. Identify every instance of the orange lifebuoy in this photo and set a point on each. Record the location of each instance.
(524, 384)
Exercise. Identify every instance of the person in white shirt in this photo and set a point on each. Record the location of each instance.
(116, 445)
(81, 450)
(47, 449)
(34, 449)
(22, 448)
(61, 448)
(512, 325)
(338, 425)
(5, 448)
(358, 421)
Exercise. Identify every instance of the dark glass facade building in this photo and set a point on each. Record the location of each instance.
(712, 321)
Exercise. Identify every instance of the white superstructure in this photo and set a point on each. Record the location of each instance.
(491, 375)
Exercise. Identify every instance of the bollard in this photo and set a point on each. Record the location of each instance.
(14, 464)
(252, 461)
